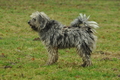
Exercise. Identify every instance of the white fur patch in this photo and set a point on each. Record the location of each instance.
(35, 14)
(42, 14)
(85, 21)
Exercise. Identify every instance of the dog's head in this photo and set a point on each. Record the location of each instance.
(38, 21)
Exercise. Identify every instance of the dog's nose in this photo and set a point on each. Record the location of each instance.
(28, 22)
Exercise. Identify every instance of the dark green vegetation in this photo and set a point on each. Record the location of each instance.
(21, 58)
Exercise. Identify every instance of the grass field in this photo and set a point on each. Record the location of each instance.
(21, 58)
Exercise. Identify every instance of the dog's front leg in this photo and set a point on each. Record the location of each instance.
(52, 55)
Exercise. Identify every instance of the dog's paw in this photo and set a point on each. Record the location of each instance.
(86, 64)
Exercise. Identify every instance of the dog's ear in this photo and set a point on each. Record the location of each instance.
(43, 22)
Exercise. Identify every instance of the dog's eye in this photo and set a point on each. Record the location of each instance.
(34, 19)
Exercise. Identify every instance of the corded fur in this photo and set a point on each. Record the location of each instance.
(58, 36)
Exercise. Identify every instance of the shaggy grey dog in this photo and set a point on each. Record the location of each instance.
(79, 34)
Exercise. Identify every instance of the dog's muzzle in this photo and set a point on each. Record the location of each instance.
(33, 27)
(28, 22)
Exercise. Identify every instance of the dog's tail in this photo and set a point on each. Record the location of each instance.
(83, 19)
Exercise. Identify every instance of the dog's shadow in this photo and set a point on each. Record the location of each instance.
(63, 65)
(68, 65)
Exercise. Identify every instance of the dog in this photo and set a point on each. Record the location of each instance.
(80, 34)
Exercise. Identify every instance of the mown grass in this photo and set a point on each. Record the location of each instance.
(21, 58)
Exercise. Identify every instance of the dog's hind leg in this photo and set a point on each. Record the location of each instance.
(52, 55)
(86, 60)
(84, 52)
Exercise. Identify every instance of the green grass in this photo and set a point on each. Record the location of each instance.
(21, 58)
